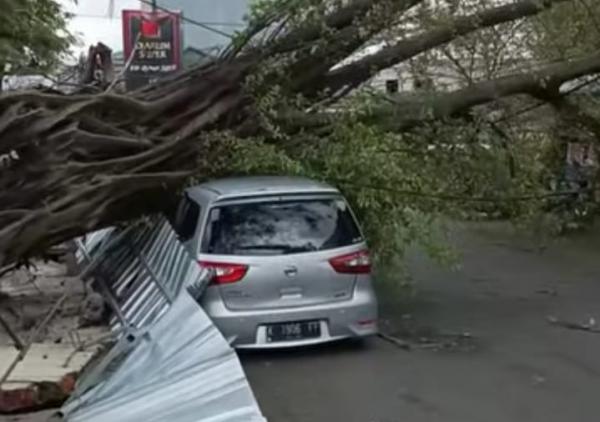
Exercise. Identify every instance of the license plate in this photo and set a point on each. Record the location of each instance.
(289, 331)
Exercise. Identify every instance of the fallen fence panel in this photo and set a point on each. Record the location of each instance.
(169, 362)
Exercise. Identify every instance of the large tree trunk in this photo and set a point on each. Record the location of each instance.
(91, 160)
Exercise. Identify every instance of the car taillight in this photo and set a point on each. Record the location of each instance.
(225, 273)
(354, 263)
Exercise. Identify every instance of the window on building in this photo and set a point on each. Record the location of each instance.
(391, 86)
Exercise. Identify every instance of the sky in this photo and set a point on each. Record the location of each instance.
(93, 22)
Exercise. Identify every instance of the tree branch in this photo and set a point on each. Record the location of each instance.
(343, 43)
(407, 114)
(402, 114)
(340, 19)
(361, 70)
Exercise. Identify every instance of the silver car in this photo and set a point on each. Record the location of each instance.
(291, 264)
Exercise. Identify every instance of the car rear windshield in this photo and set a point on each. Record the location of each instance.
(280, 227)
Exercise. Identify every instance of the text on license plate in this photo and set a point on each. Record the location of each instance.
(289, 331)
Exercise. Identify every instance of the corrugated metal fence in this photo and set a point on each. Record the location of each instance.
(169, 362)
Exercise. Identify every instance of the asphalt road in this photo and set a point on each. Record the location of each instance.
(517, 367)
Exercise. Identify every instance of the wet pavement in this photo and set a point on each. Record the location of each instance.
(518, 367)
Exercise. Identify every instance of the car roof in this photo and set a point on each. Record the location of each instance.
(261, 185)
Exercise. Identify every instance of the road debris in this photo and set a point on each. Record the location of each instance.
(549, 292)
(538, 379)
(168, 361)
(448, 341)
(589, 326)
(407, 334)
(39, 357)
(403, 344)
(19, 345)
(25, 349)
(40, 380)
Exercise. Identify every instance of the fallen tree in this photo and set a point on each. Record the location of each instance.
(81, 162)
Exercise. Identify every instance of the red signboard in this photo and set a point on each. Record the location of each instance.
(151, 44)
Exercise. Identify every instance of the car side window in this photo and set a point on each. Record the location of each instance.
(186, 219)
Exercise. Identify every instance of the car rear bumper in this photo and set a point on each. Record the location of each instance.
(354, 318)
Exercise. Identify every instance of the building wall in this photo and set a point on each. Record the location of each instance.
(222, 15)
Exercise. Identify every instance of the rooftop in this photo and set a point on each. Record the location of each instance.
(249, 186)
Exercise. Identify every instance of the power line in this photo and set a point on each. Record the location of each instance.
(208, 23)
